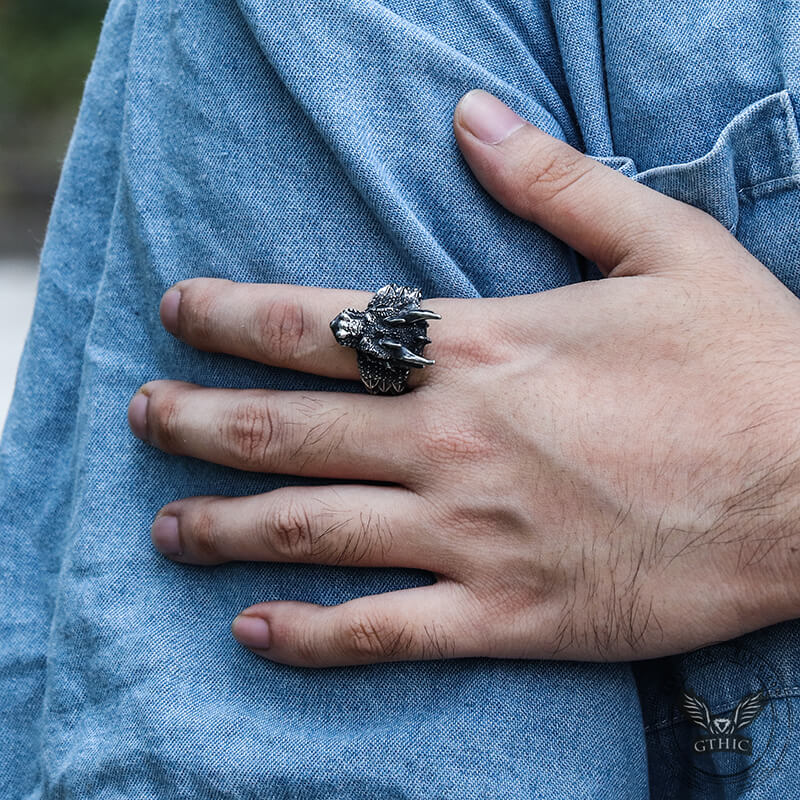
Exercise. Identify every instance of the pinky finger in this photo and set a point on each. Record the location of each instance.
(424, 623)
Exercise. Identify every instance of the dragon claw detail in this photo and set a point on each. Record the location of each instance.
(389, 336)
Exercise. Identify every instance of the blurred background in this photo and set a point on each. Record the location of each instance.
(46, 48)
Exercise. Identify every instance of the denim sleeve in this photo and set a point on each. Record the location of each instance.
(310, 143)
(304, 143)
(41, 451)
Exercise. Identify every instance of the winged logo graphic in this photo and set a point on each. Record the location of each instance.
(697, 710)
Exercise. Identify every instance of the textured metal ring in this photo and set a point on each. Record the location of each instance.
(389, 337)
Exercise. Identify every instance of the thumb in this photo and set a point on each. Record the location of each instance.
(601, 213)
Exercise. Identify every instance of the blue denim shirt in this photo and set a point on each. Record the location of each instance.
(310, 143)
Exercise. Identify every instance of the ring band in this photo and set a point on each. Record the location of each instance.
(389, 337)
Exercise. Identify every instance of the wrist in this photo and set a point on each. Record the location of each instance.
(766, 541)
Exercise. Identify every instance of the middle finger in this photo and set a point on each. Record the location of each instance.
(316, 434)
(278, 324)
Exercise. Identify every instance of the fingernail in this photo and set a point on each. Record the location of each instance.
(251, 631)
(169, 310)
(486, 117)
(165, 535)
(137, 415)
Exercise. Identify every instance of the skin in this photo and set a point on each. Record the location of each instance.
(609, 472)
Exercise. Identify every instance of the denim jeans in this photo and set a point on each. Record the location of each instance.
(310, 142)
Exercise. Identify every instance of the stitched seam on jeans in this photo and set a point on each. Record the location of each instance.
(792, 137)
(792, 133)
(790, 692)
(766, 187)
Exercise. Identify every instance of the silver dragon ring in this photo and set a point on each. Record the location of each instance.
(389, 336)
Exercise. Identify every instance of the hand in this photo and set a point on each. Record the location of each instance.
(603, 471)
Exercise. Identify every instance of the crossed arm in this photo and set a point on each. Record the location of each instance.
(602, 471)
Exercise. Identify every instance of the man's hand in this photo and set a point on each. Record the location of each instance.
(603, 471)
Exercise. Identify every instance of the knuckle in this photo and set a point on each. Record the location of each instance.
(372, 637)
(196, 310)
(307, 648)
(487, 349)
(202, 534)
(555, 169)
(249, 432)
(477, 515)
(280, 331)
(288, 530)
(445, 440)
(164, 419)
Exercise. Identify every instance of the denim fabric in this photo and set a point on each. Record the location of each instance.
(310, 143)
